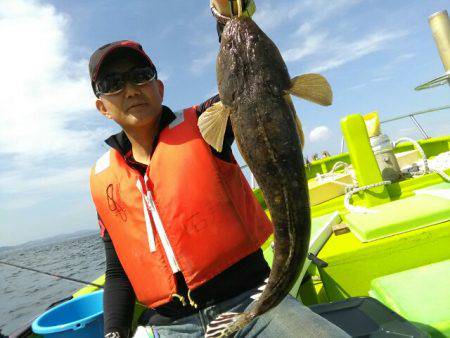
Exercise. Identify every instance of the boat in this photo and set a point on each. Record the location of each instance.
(379, 258)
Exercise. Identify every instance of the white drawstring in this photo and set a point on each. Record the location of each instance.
(149, 204)
(148, 224)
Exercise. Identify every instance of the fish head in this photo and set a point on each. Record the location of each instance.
(249, 63)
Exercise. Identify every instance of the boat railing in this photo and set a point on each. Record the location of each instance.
(411, 116)
(249, 176)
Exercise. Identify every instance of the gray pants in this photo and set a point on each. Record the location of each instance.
(289, 319)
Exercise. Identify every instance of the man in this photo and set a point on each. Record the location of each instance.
(181, 227)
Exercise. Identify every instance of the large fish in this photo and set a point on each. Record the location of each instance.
(255, 87)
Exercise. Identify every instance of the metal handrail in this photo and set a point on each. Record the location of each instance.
(254, 184)
(420, 112)
(413, 119)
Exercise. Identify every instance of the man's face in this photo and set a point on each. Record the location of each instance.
(136, 106)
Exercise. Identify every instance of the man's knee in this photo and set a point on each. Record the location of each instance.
(291, 318)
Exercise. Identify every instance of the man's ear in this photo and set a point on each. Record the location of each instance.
(102, 109)
(160, 88)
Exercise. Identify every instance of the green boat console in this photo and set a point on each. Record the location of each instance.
(394, 232)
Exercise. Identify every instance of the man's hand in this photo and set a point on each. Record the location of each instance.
(223, 7)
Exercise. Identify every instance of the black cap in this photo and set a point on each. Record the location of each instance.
(100, 55)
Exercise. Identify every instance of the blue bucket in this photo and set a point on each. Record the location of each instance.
(81, 317)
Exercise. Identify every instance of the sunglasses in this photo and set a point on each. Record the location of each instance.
(114, 83)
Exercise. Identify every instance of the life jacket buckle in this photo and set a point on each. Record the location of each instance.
(180, 298)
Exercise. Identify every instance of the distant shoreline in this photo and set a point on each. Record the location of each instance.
(49, 240)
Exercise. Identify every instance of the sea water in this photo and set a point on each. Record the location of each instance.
(25, 294)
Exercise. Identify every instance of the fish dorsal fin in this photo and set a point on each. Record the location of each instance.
(213, 123)
(298, 124)
(312, 87)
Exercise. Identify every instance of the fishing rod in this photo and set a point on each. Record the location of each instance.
(52, 274)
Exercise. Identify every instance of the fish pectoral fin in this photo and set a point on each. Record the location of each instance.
(213, 123)
(312, 87)
(298, 124)
(217, 327)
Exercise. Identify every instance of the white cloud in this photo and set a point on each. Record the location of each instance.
(270, 15)
(358, 86)
(203, 62)
(34, 189)
(164, 75)
(318, 11)
(381, 78)
(44, 93)
(341, 52)
(322, 49)
(312, 44)
(304, 29)
(47, 135)
(320, 134)
(394, 64)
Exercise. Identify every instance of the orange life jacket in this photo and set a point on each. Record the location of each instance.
(192, 212)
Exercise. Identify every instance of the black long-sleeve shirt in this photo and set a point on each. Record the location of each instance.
(119, 296)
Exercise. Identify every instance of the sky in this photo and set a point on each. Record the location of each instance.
(373, 53)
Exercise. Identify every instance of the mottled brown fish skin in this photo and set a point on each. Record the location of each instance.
(252, 80)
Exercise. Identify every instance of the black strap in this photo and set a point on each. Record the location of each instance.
(317, 261)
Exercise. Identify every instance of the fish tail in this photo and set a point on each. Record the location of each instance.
(226, 324)
(229, 322)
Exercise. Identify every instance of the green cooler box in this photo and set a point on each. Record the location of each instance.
(421, 295)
